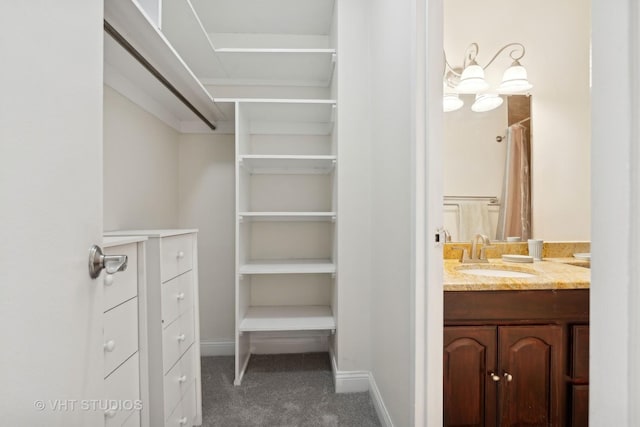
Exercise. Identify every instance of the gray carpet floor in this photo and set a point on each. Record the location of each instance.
(282, 390)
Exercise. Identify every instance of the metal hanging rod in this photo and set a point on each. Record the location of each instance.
(489, 198)
(154, 71)
(522, 121)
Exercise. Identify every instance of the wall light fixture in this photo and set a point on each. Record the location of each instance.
(470, 79)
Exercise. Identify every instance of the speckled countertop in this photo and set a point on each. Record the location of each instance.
(553, 273)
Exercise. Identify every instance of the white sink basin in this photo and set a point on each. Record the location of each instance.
(488, 272)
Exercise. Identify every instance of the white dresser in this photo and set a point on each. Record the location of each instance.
(124, 333)
(173, 332)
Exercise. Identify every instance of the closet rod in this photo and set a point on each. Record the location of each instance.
(146, 64)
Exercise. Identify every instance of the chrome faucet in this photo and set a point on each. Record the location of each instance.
(481, 256)
(478, 254)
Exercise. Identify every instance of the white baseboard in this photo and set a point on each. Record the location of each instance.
(351, 381)
(378, 403)
(217, 348)
(288, 342)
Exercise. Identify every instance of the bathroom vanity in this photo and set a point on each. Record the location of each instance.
(516, 351)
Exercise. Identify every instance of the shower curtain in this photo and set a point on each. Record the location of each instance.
(514, 218)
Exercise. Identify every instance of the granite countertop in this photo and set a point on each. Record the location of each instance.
(551, 274)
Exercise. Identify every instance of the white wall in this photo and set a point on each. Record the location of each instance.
(392, 211)
(140, 167)
(557, 38)
(614, 390)
(354, 188)
(207, 202)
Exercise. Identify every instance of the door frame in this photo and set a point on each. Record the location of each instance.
(615, 214)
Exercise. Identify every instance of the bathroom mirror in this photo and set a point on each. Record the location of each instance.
(557, 60)
(476, 148)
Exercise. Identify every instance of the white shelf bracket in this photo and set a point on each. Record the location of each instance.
(333, 331)
(240, 218)
(334, 57)
(240, 277)
(333, 275)
(333, 113)
(333, 219)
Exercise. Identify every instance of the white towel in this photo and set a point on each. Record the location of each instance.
(474, 219)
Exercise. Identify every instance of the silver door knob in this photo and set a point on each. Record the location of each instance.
(111, 263)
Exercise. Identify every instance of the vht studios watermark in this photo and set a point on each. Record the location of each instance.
(70, 405)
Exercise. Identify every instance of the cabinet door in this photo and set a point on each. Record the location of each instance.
(580, 376)
(469, 390)
(530, 362)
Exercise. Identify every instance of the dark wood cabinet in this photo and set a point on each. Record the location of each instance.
(516, 358)
(580, 376)
(469, 390)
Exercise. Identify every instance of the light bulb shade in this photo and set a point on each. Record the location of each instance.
(514, 80)
(472, 80)
(486, 102)
(451, 102)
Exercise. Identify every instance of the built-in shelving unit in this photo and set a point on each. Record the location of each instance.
(286, 153)
(253, 42)
(287, 214)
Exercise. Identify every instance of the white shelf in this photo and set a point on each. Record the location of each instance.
(287, 164)
(188, 28)
(288, 318)
(268, 17)
(127, 76)
(288, 266)
(287, 216)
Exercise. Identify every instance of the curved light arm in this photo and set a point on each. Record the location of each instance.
(511, 54)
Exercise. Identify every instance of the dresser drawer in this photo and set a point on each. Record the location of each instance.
(184, 414)
(176, 339)
(178, 381)
(177, 297)
(120, 334)
(123, 285)
(177, 255)
(122, 387)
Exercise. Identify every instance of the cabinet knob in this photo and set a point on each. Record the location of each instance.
(180, 296)
(182, 421)
(180, 254)
(494, 377)
(182, 379)
(110, 346)
(508, 377)
(108, 279)
(181, 337)
(110, 413)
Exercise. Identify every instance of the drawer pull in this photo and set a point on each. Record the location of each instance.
(182, 379)
(181, 337)
(110, 346)
(182, 421)
(494, 377)
(180, 296)
(110, 413)
(108, 279)
(180, 254)
(508, 377)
